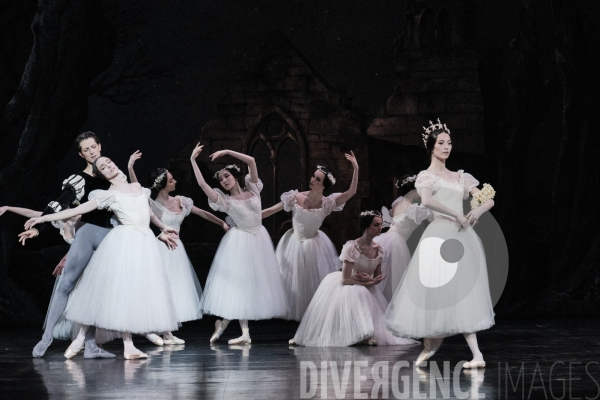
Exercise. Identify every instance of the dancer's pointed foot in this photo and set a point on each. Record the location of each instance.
(93, 351)
(474, 364)
(218, 331)
(169, 339)
(372, 342)
(135, 354)
(241, 340)
(154, 338)
(430, 347)
(40, 349)
(292, 342)
(75, 347)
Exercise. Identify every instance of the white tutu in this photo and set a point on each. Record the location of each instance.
(343, 315)
(244, 280)
(439, 296)
(124, 287)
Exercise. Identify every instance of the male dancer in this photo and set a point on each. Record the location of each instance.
(96, 226)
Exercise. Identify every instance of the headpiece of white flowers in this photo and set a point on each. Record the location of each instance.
(432, 127)
(158, 180)
(328, 174)
(371, 213)
(406, 181)
(227, 167)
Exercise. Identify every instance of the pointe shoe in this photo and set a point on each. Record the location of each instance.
(292, 342)
(218, 331)
(173, 340)
(241, 340)
(93, 351)
(135, 356)
(474, 364)
(40, 349)
(154, 338)
(72, 350)
(372, 342)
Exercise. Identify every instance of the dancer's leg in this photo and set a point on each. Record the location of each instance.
(245, 338)
(77, 344)
(91, 347)
(430, 347)
(477, 361)
(130, 352)
(220, 326)
(88, 238)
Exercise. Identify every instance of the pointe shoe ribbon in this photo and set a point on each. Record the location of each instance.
(474, 364)
(72, 351)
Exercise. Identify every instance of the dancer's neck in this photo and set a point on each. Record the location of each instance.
(437, 165)
(163, 197)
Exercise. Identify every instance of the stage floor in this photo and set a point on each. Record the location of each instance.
(525, 359)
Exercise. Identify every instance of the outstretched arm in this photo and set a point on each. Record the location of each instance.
(132, 159)
(249, 160)
(210, 217)
(347, 195)
(212, 195)
(71, 212)
(26, 212)
(267, 212)
(428, 201)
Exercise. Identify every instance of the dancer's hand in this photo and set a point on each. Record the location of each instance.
(34, 221)
(218, 154)
(473, 215)
(378, 279)
(171, 232)
(60, 267)
(168, 240)
(363, 277)
(133, 158)
(28, 234)
(464, 222)
(3, 209)
(226, 227)
(352, 158)
(197, 151)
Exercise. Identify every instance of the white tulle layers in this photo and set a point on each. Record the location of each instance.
(304, 263)
(124, 287)
(244, 281)
(394, 263)
(343, 315)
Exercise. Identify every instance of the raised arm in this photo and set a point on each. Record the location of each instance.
(249, 160)
(267, 212)
(210, 217)
(347, 195)
(428, 201)
(26, 212)
(68, 213)
(212, 195)
(132, 159)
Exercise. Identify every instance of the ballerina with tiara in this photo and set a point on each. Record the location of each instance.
(445, 290)
(406, 217)
(124, 287)
(185, 287)
(305, 254)
(347, 308)
(244, 282)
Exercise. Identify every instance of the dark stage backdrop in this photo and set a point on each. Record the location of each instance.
(148, 75)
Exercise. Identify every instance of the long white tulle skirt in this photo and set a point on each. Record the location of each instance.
(438, 298)
(244, 281)
(304, 264)
(125, 287)
(394, 263)
(343, 315)
(185, 287)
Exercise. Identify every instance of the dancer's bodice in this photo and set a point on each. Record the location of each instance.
(306, 222)
(170, 218)
(245, 213)
(130, 209)
(405, 223)
(351, 253)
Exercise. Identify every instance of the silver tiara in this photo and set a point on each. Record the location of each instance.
(158, 180)
(328, 174)
(433, 127)
(230, 166)
(406, 181)
(371, 213)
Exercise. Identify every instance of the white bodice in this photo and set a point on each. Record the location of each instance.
(306, 222)
(245, 213)
(170, 218)
(130, 209)
(405, 223)
(351, 253)
(449, 194)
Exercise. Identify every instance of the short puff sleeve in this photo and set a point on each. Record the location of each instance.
(329, 203)
(350, 252)
(469, 183)
(186, 205)
(426, 179)
(289, 200)
(147, 192)
(255, 188)
(419, 213)
(104, 198)
(222, 203)
(156, 208)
